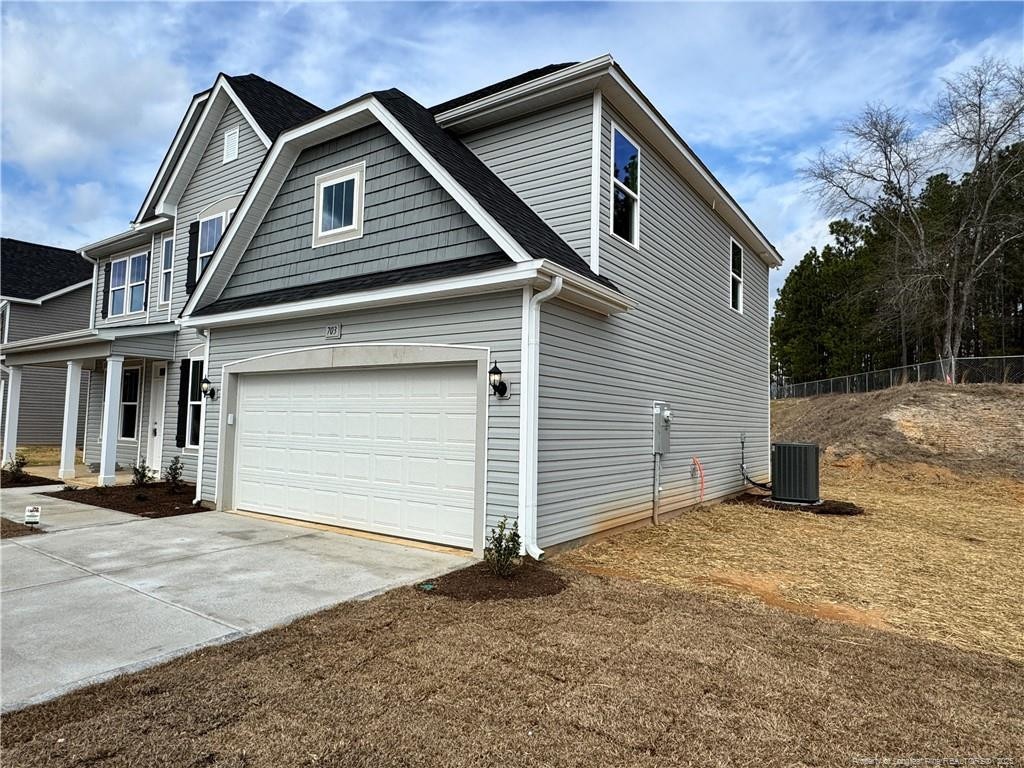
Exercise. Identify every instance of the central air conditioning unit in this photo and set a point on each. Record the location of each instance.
(795, 473)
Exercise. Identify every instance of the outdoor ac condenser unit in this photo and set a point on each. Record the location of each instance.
(795, 473)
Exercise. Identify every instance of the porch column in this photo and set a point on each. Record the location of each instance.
(13, 406)
(111, 412)
(69, 436)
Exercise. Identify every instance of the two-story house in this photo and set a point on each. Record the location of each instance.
(531, 302)
(43, 291)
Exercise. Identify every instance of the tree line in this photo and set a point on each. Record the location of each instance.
(927, 254)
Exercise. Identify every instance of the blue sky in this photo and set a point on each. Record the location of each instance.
(92, 93)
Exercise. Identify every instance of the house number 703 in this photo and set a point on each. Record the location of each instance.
(332, 331)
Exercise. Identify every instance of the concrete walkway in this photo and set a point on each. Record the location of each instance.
(102, 592)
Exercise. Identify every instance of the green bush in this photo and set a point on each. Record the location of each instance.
(142, 475)
(502, 551)
(15, 466)
(173, 474)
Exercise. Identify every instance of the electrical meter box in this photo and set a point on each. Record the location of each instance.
(662, 427)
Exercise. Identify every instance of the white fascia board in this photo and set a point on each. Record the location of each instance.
(179, 137)
(124, 240)
(590, 293)
(52, 295)
(315, 132)
(515, 275)
(245, 112)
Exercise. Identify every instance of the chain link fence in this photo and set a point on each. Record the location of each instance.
(960, 370)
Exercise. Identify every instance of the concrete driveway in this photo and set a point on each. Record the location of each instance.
(102, 593)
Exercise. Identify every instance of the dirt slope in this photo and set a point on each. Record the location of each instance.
(968, 428)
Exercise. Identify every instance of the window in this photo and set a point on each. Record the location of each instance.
(231, 144)
(195, 404)
(129, 403)
(338, 212)
(210, 231)
(736, 276)
(625, 188)
(127, 285)
(166, 269)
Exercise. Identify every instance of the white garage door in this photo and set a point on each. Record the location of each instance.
(390, 450)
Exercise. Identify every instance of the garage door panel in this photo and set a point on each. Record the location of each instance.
(390, 450)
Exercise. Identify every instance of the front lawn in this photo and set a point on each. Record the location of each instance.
(608, 672)
(154, 500)
(24, 480)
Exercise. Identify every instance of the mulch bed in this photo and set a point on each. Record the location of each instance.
(476, 583)
(826, 507)
(9, 529)
(156, 500)
(25, 480)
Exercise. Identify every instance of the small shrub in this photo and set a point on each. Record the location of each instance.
(15, 467)
(68, 487)
(502, 551)
(173, 474)
(142, 475)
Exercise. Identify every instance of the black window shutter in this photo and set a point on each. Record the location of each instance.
(106, 290)
(179, 435)
(193, 257)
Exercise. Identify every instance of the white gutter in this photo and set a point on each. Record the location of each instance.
(528, 416)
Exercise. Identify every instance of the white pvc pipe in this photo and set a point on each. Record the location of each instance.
(531, 401)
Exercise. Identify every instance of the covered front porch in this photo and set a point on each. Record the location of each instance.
(125, 397)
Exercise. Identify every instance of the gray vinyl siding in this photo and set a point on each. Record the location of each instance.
(490, 320)
(129, 452)
(682, 344)
(60, 314)
(409, 220)
(212, 181)
(41, 412)
(546, 159)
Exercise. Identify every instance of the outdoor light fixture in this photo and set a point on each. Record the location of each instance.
(208, 390)
(499, 387)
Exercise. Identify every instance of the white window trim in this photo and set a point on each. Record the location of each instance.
(355, 229)
(615, 183)
(231, 132)
(137, 403)
(166, 273)
(188, 414)
(127, 287)
(226, 217)
(733, 276)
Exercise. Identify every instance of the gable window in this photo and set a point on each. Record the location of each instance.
(338, 205)
(195, 404)
(210, 231)
(231, 145)
(736, 276)
(625, 188)
(129, 403)
(166, 269)
(127, 285)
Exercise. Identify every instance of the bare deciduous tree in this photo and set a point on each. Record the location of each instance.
(897, 175)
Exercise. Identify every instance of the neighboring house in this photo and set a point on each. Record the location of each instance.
(346, 285)
(43, 291)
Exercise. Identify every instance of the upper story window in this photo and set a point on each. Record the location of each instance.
(231, 144)
(736, 276)
(166, 269)
(625, 188)
(210, 231)
(338, 205)
(127, 285)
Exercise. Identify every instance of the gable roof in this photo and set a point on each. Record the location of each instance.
(32, 270)
(500, 86)
(272, 106)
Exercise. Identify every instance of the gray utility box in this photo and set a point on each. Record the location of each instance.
(795, 473)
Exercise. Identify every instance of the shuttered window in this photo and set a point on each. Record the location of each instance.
(195, 403)
(130, 386)
(128, 285)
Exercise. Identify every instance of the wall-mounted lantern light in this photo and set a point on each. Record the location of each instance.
(499, 387)
(208, 390)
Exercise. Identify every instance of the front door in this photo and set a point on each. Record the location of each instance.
(154, 450)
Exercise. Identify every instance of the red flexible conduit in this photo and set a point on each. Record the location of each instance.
(700, 471)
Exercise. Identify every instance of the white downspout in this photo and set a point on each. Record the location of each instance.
(528, 419)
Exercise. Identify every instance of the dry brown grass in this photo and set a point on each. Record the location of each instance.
(936, 555)
(44, 455)
(609, 672)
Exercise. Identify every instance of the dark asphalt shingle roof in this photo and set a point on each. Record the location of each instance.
(536, 237)
(500, 86)
(31, 270)
(273, 107)
(387, 279)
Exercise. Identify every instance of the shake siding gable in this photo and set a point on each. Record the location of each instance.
(546, 158)
(409, 220)
(683, 344)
